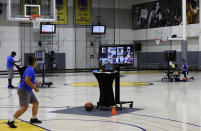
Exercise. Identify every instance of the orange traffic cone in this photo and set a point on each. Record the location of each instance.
(113, 111)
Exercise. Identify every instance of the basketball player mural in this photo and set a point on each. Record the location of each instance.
(155, 17)
(136, 18)
(192, 12)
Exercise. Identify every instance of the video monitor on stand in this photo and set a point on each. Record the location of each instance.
(40, 56)
(122, 55)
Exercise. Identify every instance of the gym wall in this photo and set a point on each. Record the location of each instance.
(10, 35)
(77, 42)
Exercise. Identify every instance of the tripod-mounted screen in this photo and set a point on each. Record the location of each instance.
(170, 55)
(116, 54)
(40, 56)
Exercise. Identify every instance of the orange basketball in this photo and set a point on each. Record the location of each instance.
(89, 106)
(185, 79)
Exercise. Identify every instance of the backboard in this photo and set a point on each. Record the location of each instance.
(168, 33)
(162, 33)
(20, 10)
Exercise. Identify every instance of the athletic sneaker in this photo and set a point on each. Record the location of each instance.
(10, 87)
(14, 87)
(11, 124)
(192, 78)
(35, 121)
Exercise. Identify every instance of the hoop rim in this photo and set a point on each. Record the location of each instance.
(35, 19)
(35, 16)
(159, 39)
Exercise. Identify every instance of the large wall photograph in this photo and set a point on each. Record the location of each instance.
(163, 13)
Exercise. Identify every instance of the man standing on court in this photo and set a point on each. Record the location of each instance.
(26, 94)
(9, 65)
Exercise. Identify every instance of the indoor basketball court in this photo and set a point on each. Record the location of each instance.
(100, 65)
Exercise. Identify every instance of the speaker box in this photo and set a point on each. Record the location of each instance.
(138, 47)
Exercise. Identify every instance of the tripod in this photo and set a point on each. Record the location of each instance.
(43, 81)
(117, 90)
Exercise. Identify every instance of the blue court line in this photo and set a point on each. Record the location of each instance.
(167, 119)
(36, 125)
(1, 98)
(122, 123)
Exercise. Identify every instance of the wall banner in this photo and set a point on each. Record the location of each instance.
(62, 15)
(83, 12)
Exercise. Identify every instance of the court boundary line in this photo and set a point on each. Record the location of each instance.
(167, 119)
(122, 123)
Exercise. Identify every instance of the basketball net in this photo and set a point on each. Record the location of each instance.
(36, 21)
(158, 41)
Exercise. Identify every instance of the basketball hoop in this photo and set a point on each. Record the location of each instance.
(36, 20)
(158, 41)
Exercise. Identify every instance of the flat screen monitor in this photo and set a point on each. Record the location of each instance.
(40, 56)
(48, 29)
(170, 55)
(119, 54)
(98, 29)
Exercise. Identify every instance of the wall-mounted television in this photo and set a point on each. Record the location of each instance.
(47, 28)
(98, 29)
(116, 54)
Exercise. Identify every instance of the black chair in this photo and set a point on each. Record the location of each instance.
(21, 70)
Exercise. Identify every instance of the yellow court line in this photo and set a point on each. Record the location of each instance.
(122, 84)
(21, 126)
